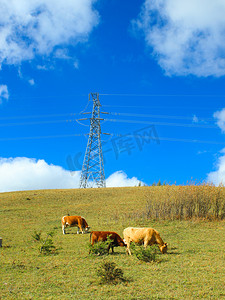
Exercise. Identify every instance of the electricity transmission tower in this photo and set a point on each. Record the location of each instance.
(93, 168)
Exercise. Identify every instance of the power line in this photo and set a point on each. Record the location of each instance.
(165, 95)
(47, 96)
(116, 114)
(40, 137)
(162, 107)
(118, 94)
(82, 123)
(167, 139)
(193, 125)
(35, 123)
(163, 123)
(112, 113)
(123, 121)
(38, 116)
(85, 106)
(160, 116)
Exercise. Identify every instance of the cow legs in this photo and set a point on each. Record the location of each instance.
(63, 229)
(128, 248)
(145, 244)
(79, 229)
(79, 225)
(110, 246)
(127, 243)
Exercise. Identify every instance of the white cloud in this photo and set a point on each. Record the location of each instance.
(4, 94)
(35, 27)
(43, 67)
(195, 119)
(76, 64)
(21, 173)
(62, 54)
(186, 37)
(31, 81)
(218, 177)
(220, 119)
(120, 179)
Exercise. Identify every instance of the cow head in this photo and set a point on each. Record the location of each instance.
(122, 243)
(163, 248)
(87, 228)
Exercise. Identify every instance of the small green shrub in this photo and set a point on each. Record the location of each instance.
(48, 246)
(110, 274)
(100, 248)
(36, 236)
(145, 254)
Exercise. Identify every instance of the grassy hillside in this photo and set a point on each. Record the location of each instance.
(193, 268)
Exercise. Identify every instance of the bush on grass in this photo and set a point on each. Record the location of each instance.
(100, 248)
(108, 273)
(148, 254)
(47, 245)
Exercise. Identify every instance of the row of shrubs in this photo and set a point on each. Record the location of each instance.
(145, 254)
(203, 201)
(47, 247)
(107, 272)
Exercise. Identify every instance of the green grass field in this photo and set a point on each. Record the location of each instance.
(194, 267)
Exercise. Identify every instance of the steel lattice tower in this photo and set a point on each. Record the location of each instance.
(93, 168)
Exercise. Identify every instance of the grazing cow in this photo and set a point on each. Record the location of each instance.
(73, 221)
(101, 236)
(146, 236)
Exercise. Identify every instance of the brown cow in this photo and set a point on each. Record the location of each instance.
(146, 236)
(73, 221)
(101, 236)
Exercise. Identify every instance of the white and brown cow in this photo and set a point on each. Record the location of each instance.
(146, 236)
(75, 221)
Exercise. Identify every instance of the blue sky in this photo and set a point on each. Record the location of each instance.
(158, 66)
